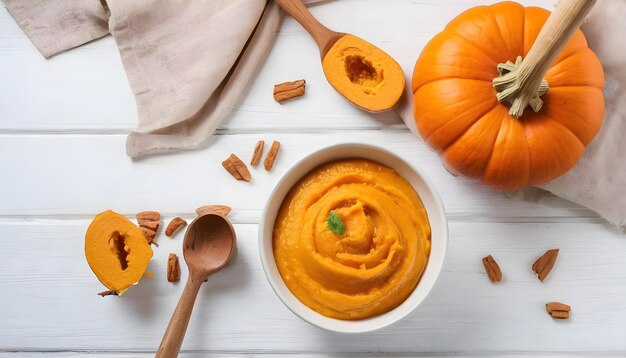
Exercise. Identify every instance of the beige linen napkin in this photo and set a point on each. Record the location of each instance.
(598, 181)
(55, 26)
(187, 61)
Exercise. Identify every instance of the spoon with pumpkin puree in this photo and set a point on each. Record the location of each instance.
(364, 74)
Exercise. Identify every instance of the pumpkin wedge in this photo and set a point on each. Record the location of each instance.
(117, 251)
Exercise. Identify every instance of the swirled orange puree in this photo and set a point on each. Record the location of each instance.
(376, 265)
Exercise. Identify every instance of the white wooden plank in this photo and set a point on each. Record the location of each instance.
(86, 90)
(204, 354)
(49, 301)
(77, 354)
(85, 174)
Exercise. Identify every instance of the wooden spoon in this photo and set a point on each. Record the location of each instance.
(323, 36)
(208, 245)
(326, 38)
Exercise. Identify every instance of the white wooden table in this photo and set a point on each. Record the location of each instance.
(63, 124)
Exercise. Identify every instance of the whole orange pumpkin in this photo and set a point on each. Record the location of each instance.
(458, 115)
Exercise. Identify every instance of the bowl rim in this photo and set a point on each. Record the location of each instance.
(314, 318)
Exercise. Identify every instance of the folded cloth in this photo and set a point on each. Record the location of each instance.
(187, 61)
(55, 26)
(598, 181)
(178, 54)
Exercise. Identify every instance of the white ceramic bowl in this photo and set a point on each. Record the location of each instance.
(434, 209)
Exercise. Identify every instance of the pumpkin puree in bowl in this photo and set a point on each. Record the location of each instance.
(376, 264)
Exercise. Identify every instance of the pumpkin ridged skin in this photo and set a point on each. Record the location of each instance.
(458, 115)
(101, 251)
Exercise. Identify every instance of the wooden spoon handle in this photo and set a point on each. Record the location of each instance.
(320, 33)
(556, 32)
(175, 332)
(522, 84)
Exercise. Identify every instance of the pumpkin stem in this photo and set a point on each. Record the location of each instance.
(521, 84)
(508, 89)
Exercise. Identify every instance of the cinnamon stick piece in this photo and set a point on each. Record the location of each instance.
(289, 90)
(237, 168)
(270, 158)
(558, 310)
(174, 225)
(545, 263)
(258, 153)
(173, 268)
(221, 210)
(149, 222)
(492, 268)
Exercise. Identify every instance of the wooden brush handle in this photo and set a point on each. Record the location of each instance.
(522, 84)
(320, 33)
(556, 32)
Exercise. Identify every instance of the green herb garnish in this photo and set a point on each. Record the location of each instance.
(335, 224)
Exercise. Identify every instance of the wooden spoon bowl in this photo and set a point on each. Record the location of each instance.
(208, 244)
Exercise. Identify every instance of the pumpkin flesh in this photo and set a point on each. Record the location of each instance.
(116, 250)
(364, 74)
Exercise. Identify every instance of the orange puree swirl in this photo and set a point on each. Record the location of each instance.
(376, 265)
